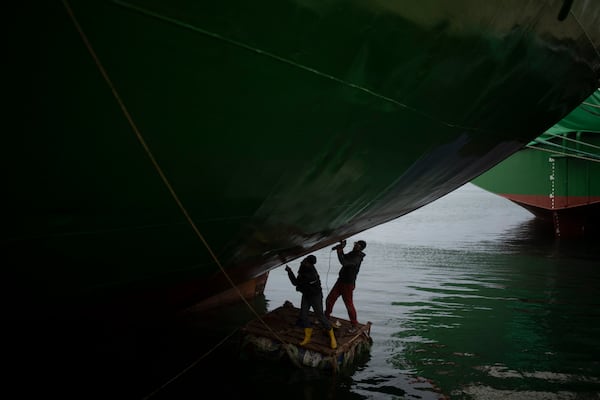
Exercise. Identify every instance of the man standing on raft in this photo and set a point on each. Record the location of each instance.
(344, 286)
(309, 284)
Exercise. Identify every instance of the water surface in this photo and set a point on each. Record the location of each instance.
(467, 297)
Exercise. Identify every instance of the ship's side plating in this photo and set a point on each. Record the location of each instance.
(156, 145)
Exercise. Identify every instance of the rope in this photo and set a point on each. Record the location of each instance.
(189, 367)
(233, 42)
(327, 275)
(587, 36)
(161, 174)
(565, 137)
(585, 103)
(558, 153)
(141, 138)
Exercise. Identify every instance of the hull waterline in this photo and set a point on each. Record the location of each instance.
(557, 176)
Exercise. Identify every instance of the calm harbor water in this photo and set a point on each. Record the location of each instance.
(468, 299)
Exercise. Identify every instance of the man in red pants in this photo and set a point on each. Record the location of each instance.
(344, 286)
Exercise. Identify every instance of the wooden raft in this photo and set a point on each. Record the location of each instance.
(276, 336)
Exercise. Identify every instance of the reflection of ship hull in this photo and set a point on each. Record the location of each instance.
(557, 177)
(165, 151)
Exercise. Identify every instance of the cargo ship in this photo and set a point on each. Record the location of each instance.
(160, 154)
(557, 176)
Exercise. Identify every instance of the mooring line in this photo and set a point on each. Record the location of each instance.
(163, 178)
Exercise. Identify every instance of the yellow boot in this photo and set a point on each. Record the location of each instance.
(333, 341)
(307, 335)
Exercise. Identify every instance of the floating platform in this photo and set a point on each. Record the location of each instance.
(276, 336)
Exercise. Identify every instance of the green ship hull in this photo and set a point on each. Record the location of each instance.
(557, 176)
(163, 152)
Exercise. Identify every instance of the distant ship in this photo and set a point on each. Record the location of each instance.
(157, 154)
(557, 176)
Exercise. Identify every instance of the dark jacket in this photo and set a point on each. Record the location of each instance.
(308, 281)
(350, 265)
